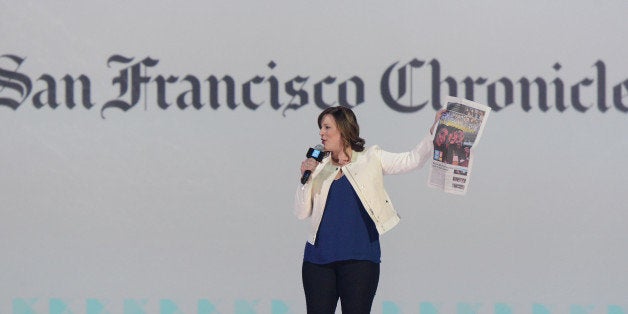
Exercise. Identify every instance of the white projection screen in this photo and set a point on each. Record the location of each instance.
(151, 150)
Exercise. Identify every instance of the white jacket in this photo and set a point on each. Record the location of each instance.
(365, 172)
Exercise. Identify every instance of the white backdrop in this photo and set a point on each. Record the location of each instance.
(174, 210)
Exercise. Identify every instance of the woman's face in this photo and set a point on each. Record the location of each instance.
(441, 137)
(460, 137)
(330, 135)
(452, 137)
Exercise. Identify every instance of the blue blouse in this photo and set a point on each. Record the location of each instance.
(346, 231)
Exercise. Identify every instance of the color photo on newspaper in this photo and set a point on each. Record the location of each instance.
(457, 133)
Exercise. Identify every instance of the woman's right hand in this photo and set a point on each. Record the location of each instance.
(308, 164)
(439, 113)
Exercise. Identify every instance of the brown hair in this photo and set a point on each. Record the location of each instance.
(347, 125)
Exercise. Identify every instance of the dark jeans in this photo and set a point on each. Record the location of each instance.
(354, 282)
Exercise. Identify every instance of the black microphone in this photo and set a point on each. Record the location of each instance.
(316, 153)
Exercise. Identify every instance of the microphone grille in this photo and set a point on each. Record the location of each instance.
(319, 147)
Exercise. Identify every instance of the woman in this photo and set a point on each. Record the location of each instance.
(349, 208)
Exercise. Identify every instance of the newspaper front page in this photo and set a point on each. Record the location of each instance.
(457, 134)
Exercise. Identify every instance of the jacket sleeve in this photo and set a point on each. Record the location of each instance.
(394, 163)
(303, 201)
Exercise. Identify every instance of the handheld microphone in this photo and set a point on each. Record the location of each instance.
(316, 153)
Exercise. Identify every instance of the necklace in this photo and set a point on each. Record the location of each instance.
(341, 162)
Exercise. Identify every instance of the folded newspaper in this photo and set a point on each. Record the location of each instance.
(457, 134)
